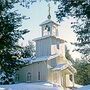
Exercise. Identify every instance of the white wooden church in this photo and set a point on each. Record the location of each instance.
(50, 64)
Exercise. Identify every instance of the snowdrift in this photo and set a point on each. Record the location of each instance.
(30, 86)
(87, 87)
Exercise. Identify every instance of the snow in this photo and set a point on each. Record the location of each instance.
(77, 85)
(64, 66)
(87, 87)
(59, 66)
(30, 86)
(48, 21)
(2, 88)
(38, 59)
(38, 86)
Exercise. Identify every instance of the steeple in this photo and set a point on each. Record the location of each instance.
(49, 27)
(49, 16)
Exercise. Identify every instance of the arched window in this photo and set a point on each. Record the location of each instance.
(38, 75)
(17, 77)
(29, 77)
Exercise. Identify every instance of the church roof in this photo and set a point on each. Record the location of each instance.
(64, 66)
(48, 21)
(40, 38)
(60, 67)
(38, 59)
(44, 58)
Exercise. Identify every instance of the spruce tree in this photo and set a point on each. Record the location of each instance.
(67, 55)
(28, 50)
(10, 21)
(82, 76)
(80, 10)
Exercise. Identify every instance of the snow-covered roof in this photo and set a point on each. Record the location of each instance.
(60, 67)
(27, 59)
(64, 66)
(38, 59)
(44, 58)
(48, 21)
(40, 38)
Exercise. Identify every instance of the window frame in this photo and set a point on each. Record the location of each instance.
(39, 76)
(58, 46)
(29, 77)
(17, 77)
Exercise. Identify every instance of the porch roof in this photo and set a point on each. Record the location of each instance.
(64, 66)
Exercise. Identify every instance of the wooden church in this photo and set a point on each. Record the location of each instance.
(50, 64)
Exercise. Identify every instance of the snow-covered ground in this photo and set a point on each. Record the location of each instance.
(30, 86)
(87, 87)
(37, 86)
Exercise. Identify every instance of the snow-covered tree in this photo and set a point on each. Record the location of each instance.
(10, 21)
(28, 50)
(80, 10)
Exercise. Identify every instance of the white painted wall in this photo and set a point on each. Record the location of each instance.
(43, 47)
(48, 46)
(34, 69)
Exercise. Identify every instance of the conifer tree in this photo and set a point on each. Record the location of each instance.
(28, 50)
(82, 77)
(10, 21)
(80, 10)
(67, 55)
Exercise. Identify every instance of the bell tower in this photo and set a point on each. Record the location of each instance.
(49, 27)
(49, 43)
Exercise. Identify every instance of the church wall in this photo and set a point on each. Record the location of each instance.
(62, 49)
(33, 69)
(61, 60)
(52, 62)
(57, 47)
(54, 77)
(50, 75)
(49, 46)
(63, 80)
(39, 67)
(43, 47)
(53, 46)
(57, 60)
(23, 73)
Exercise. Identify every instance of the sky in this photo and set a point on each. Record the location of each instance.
(38, 13)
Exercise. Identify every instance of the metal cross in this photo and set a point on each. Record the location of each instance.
(49, 16)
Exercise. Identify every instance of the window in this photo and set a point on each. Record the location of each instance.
(17, 77)
(38, 75)
(71, 78)
(29, 76)
(57, 46)
(46, 30)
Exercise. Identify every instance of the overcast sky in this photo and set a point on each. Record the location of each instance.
(38, 13)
